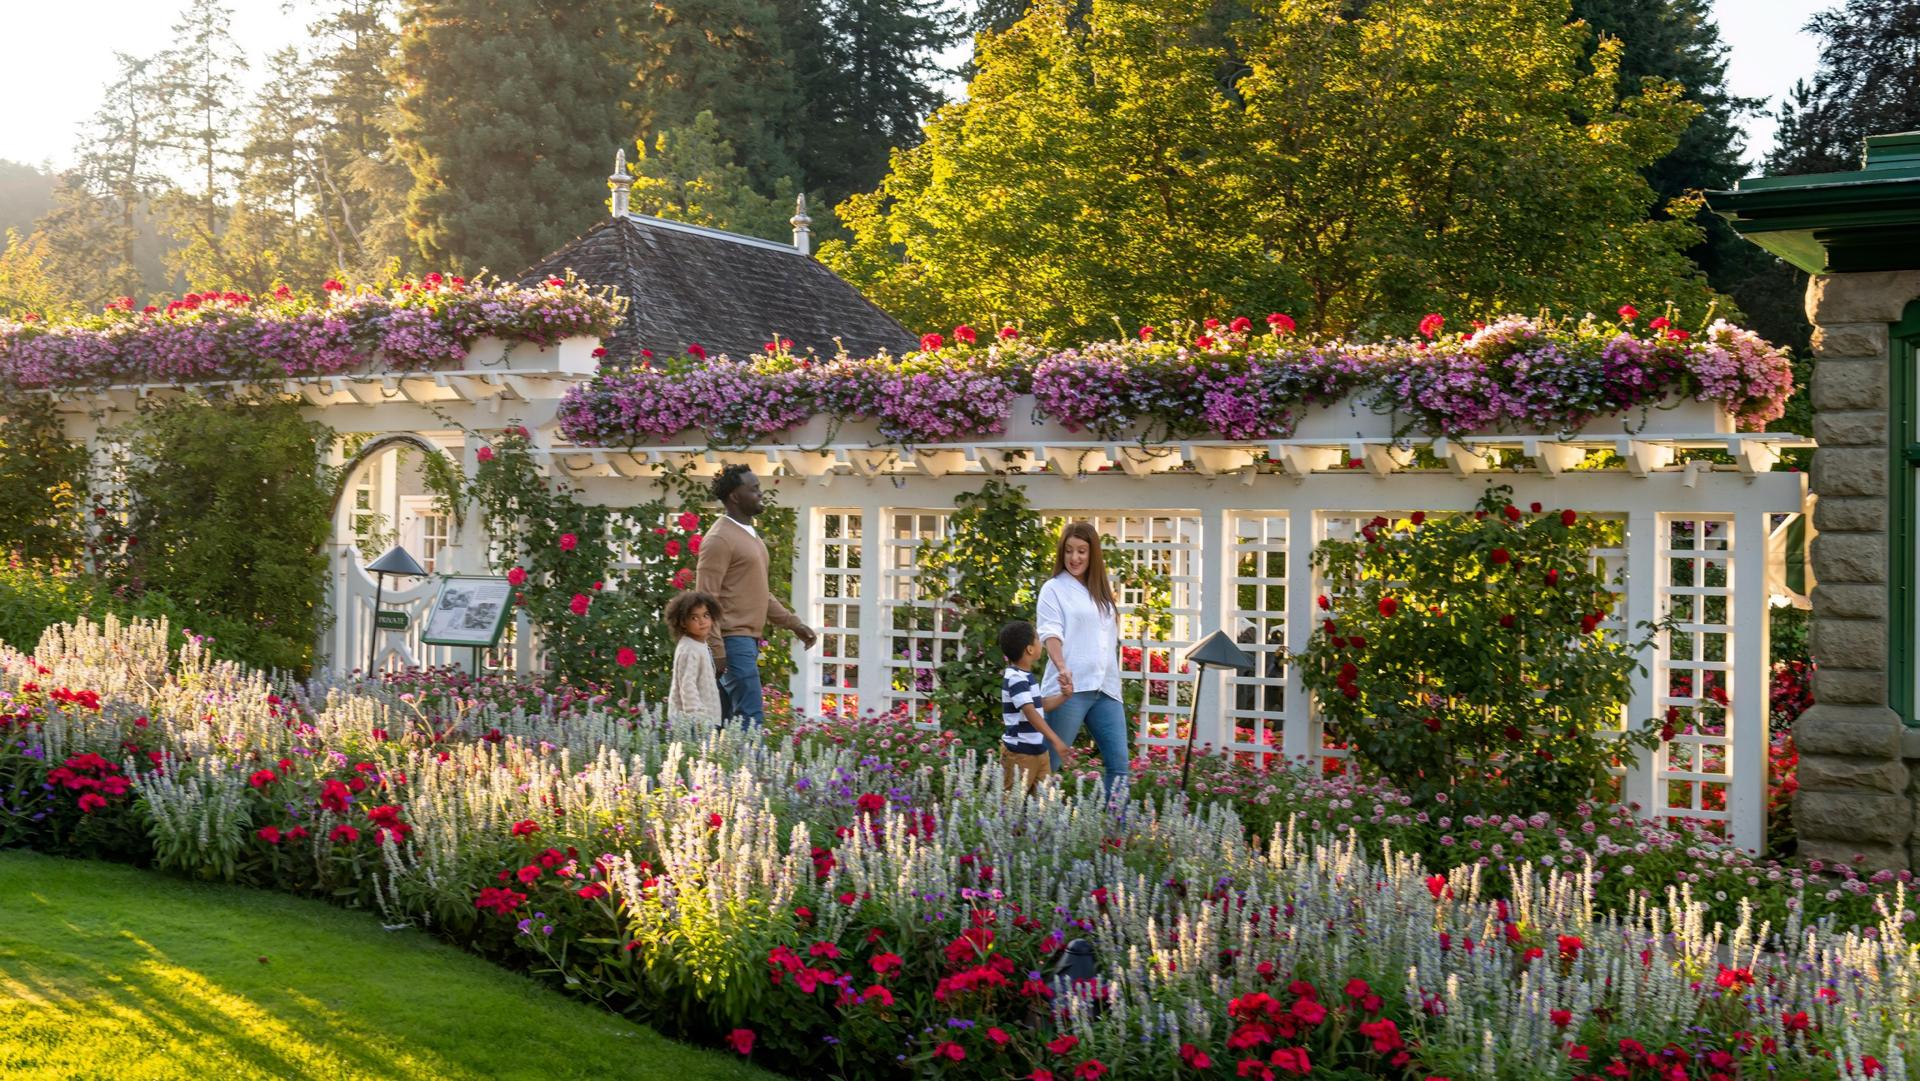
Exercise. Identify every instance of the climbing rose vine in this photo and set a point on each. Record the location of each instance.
(1475, 659)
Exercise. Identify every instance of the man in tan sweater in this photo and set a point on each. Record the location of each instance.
(733, 568)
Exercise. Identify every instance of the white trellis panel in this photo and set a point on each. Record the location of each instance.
(1259, 705)
(838, 602)
(922, 631)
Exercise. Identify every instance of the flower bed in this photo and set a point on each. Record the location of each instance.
(418, 325)
(835, 912)
(1226, 382)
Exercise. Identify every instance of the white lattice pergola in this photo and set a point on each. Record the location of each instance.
(1231, 525)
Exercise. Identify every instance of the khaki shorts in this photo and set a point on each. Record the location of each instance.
(1032, 767)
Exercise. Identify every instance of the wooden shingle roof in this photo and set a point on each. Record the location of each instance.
(729, 293)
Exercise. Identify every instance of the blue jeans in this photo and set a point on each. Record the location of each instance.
(1106, 718)
(740, 684)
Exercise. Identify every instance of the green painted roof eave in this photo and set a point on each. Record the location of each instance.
(1829, 223)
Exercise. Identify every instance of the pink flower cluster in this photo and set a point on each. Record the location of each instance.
(1224, 382)
(215, 336)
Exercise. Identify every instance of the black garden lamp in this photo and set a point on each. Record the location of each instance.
(1216, 650)
(397, 561)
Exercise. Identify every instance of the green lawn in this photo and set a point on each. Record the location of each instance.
(111, 972)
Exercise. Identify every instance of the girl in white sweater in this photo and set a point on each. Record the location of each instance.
(694, 692)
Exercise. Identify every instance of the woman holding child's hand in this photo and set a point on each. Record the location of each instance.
(1079, 626)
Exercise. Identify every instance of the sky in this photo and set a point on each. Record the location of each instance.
(61, 59)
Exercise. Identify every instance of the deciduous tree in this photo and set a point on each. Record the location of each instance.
(1177, 158)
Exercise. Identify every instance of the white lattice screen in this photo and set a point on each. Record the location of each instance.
(1258, 705)
(838, 593)
(1693, 771)
(922, 633)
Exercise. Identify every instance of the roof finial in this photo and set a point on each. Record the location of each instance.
(802, 233)
(620, 183)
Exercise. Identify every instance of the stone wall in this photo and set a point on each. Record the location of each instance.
(1858, 790)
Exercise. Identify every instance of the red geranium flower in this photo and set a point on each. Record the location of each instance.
(741, 1040)
(932, 342)
(1062, 1044)
(1280, 324)
(1430, 326)
(525, 827)
(1628, 313)
(964, 333)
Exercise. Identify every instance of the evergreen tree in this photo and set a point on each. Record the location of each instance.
(730, 58)
(1868, 83)
(277, 232)
(871, 87)
(101, 208)
(507, 117)
(691, 174)
(362, 184)
(1678, 41)
(1159, 159)
(199, 83)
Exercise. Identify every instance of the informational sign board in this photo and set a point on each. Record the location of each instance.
(469, 611)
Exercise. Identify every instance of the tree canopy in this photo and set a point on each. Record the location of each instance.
(1160, 159)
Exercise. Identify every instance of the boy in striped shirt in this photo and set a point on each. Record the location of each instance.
(1024, 736)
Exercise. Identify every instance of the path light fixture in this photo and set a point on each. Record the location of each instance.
(397, 561)
(1216, 650)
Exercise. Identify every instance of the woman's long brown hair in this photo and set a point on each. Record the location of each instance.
(1097, 582)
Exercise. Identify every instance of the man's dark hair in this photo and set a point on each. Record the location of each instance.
(729, 480)
(1015, 637)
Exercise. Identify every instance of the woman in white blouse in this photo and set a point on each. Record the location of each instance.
(1078, 624)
